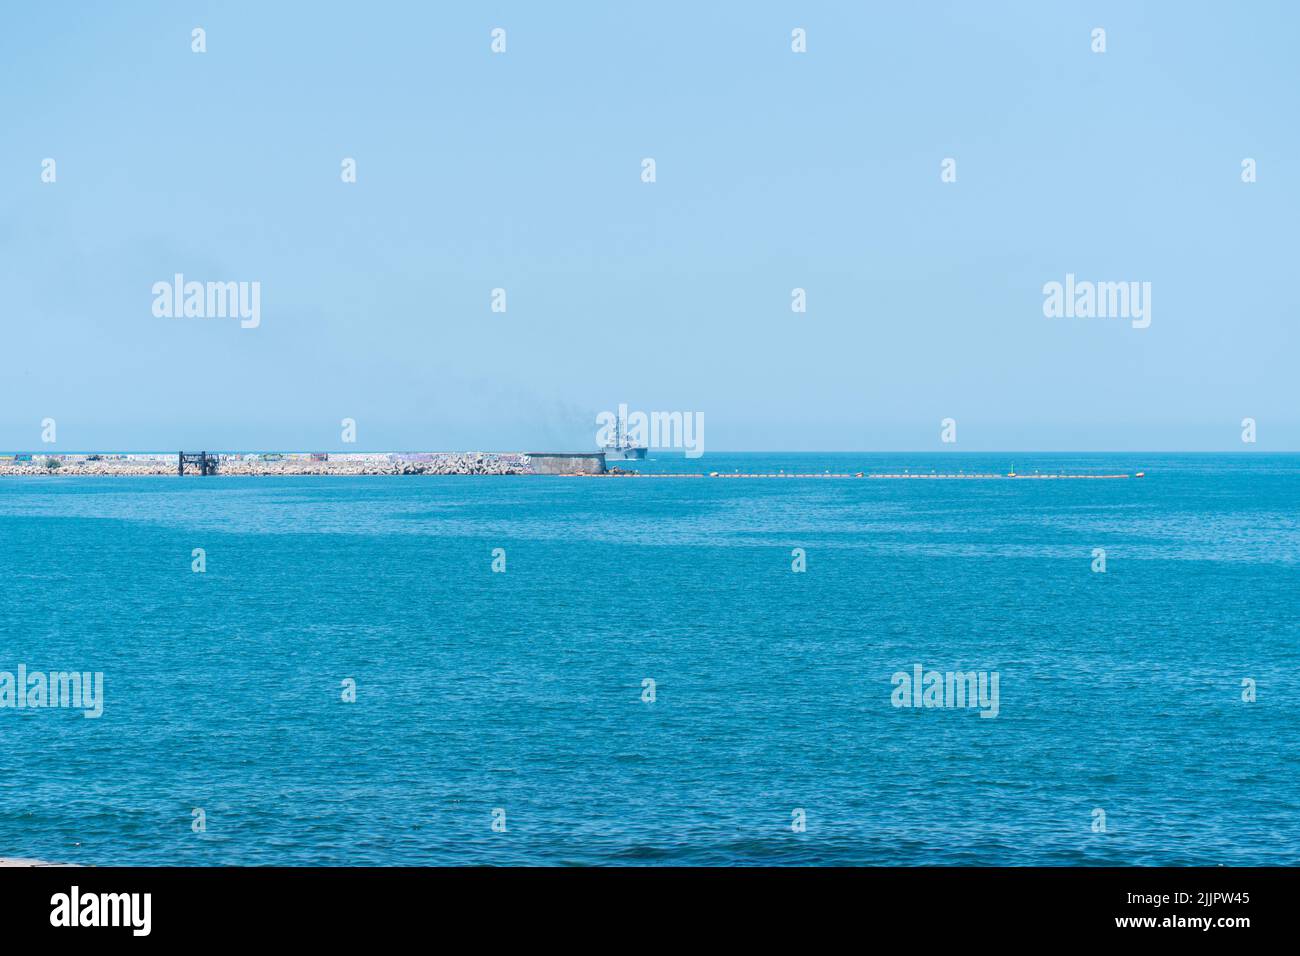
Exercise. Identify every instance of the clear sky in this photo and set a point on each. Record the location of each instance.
(775, 170)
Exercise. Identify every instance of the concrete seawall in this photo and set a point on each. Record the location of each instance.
(566, 463)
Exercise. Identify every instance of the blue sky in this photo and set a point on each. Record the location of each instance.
(775, 170)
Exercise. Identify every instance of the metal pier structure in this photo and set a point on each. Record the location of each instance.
(204, 463)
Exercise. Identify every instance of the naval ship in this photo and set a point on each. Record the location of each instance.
(621, 448)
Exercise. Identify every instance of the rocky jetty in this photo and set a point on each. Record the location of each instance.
(262, 465)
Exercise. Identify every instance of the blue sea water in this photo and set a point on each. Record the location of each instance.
(522, 691)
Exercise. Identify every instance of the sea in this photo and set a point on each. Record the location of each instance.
(690, 671)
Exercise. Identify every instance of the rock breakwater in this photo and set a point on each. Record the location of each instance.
(255, 465)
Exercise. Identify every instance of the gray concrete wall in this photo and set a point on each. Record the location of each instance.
(567, 464)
